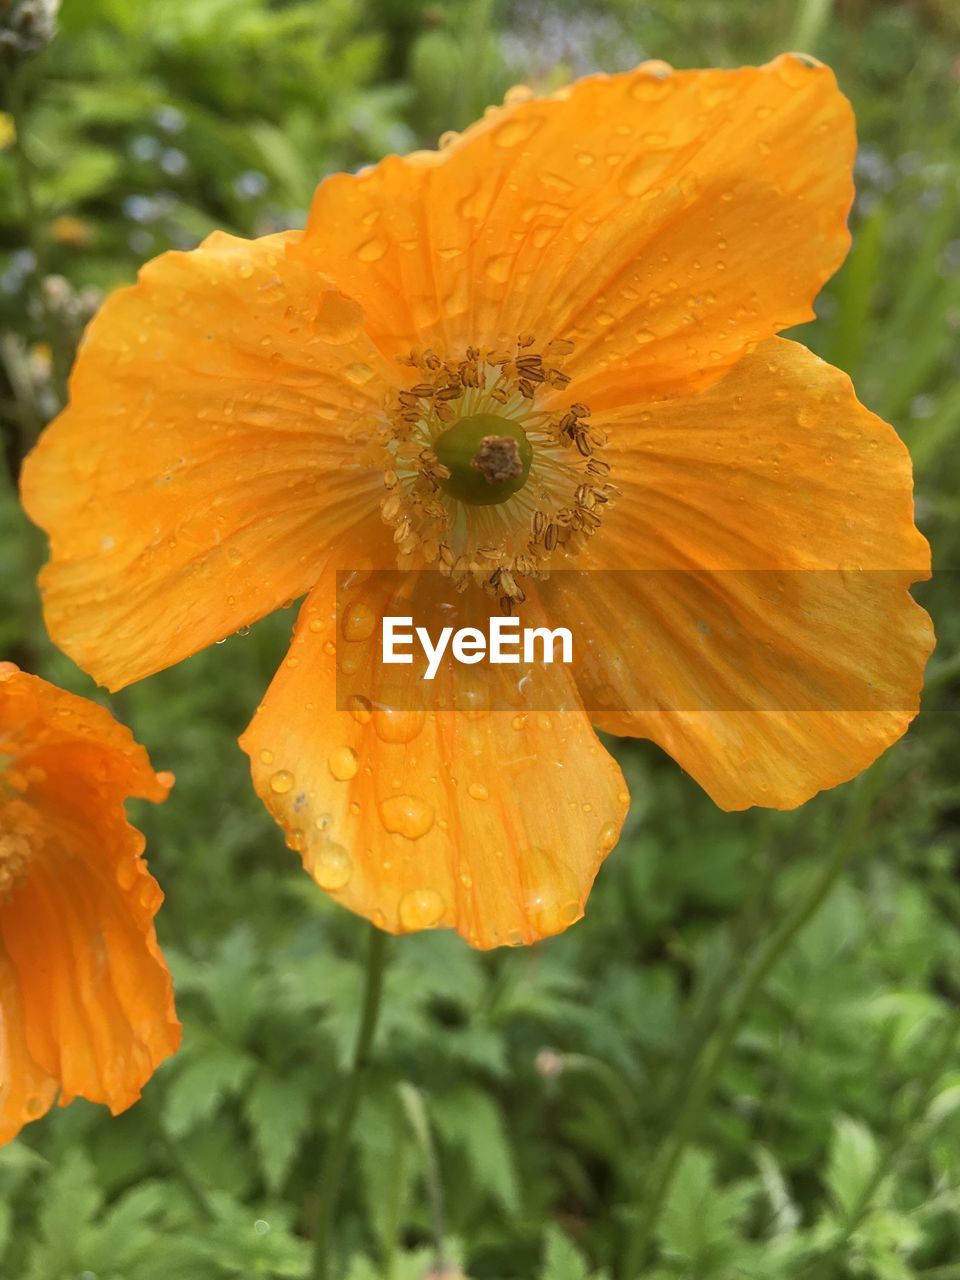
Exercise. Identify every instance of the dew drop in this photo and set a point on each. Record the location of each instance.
(127, 873)
(516, 94)
(360, 708)
(514, 132)
(392, 725)
(343, 764)
(358, 622)
(331, 866)
(372, 250)
(609, 834)
(498, 267)
(266, 756)
(359, 374)
(477, 791)
(420, 909)
(281, 782)
(407, 816)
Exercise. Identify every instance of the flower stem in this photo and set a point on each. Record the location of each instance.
(335, 1158)
(416, 1111)
(716, 1049)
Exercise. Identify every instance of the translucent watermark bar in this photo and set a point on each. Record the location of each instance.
(632, 642)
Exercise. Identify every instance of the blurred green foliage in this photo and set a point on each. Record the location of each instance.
(549, 1078)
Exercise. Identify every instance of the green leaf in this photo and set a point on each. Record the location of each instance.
(699, 1221)
(212, 1073)
(468, 1119)
(277, 1109)
(562, 1260)
(71, 1199)
(852, 1163)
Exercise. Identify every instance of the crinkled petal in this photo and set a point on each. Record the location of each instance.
(663, 221)
(760, 627)
(213, 447)
(493, 823)
(26, 1090)
(85, 996)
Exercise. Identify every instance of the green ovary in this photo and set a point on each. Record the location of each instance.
(488, 458)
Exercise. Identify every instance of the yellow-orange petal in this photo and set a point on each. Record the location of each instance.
(26, 1090)
(212, 449)
(86, 1002)
(662, 220)
(493, 823)
(764, 634)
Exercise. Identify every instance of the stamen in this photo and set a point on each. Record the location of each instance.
(20, 836)
(480, 480)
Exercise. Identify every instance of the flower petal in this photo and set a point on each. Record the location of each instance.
(26, 1090)
(662, 220)
(490, 822)
(764, 635)
(85, 996)
(212, 448)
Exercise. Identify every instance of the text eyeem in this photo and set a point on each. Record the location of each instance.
(504, 642)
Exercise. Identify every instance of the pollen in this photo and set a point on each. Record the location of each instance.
(20, 839)
(487, 478)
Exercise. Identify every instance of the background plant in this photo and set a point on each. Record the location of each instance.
(797, 1081)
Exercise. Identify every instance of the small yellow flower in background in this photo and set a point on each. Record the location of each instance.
(549, 345)
(71, 231)
(86, 1003)
(8, 131)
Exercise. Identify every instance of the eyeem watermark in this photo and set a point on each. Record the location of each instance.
(504, 642)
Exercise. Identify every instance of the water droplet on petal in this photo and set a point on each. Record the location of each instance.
(360, 708)
(372, 250)
(358, 622)
(420, 909)
(513, 132)
(407, 816)
(609, 835)
(392, 725)
(343, 763)
(331, 866)
(282, 782)
(478, 791)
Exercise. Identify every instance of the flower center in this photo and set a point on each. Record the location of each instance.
(488, 458)
(483, 481)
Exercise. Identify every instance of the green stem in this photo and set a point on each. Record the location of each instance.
(811, 22)
(416, 1110)
(331, 1174)
(942, 673)
(31, 215)
(717, 1049)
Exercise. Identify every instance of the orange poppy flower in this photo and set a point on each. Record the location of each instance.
(576, 300)
(86, 1005)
